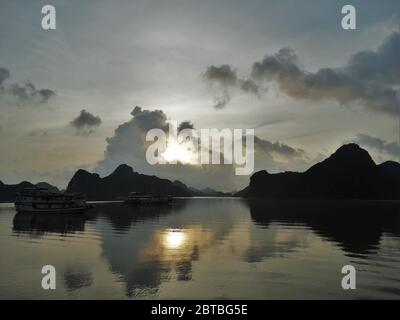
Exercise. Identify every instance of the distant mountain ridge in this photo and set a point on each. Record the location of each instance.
(121, 182)
(115, 186)
(348, 173)
(9, 191)
(209, 192)
(206, 192)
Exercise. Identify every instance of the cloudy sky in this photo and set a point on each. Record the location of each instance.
(288, 70)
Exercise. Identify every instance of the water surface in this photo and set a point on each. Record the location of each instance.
(204, 249)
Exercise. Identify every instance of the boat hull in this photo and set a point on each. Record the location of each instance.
(27, 209)
(147, 199)
(40, 200)
(147, 202)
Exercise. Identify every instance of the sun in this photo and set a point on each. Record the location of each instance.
(177, 152)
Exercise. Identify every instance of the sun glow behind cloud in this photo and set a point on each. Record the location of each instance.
(179, 152)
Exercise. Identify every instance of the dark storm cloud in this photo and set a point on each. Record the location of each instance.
(223, 80)
(223, 75)
(277, 148)
(4, 75)
(85, 122)
(147, 119)
(46, 94)
(15, 93)
(250, 86)
(390, 148)
(185, 125)
(370, 78)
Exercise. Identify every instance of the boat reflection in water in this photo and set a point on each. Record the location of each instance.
(41, 224)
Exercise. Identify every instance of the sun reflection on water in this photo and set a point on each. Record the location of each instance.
(175, 238)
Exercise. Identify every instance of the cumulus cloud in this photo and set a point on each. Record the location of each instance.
(370, 78)
(185, 125)
(384, 148)
(146, 119)
(25, 94)
(128, 145)
(85, 122)
(223, 81)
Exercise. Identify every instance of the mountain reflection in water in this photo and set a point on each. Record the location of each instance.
(205, 248)
(356, 226)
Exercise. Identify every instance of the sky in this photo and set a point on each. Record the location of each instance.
(284, 68)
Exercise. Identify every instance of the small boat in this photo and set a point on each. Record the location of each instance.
(142, 198)
(41, 200)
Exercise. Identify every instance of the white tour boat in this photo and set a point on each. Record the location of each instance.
(40, 200)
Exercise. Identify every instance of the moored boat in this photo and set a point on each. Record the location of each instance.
(40, 200)
(141, 198)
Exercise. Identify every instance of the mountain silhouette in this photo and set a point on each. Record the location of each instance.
(349, 173)
(120, 183)
(9, 191)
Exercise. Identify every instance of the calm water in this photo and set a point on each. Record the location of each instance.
(204, 248)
